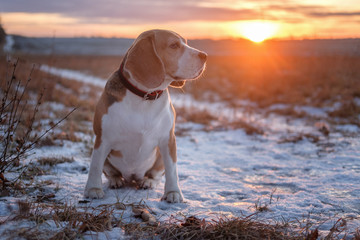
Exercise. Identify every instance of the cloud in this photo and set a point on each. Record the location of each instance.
(333, 14)
(131, 11)
(181, 13)
(163, 11)
(314, 11)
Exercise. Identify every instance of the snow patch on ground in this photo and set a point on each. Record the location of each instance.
(74, 75)
(350, 128)
(228, 172)
(9, 43)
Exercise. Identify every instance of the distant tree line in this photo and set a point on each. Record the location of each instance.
(2, 38)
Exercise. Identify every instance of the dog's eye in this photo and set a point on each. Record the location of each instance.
(175, 45)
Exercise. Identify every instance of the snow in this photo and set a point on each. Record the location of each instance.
(228, 172)
(9, 43)
(74, 75)
(312, 111)
(350, 128)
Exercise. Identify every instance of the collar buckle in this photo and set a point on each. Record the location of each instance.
(146, 96)
(152, 95)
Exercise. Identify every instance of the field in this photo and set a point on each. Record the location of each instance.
(268, 147)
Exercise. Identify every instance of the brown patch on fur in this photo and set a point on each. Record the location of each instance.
(114, 88)
(143, 61)
(114, 92)
(116, 153)
(158, 165)
(177, 84)
(97, 142)
(172, 139)
(110, 171)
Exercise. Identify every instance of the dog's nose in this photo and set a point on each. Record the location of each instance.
(203, 56)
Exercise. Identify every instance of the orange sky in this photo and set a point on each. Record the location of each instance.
(193, 19)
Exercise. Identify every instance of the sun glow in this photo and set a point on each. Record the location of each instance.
(258, 31)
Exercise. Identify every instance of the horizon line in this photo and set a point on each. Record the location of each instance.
(204, 38)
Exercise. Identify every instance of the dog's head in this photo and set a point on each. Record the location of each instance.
(162, 57)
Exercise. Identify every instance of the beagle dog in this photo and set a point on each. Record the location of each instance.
(134, 119)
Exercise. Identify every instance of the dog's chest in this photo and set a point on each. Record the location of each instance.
(135, 128)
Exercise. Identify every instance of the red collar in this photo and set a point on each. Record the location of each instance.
(145, 95)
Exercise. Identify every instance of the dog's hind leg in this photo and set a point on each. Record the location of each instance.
(154, 174)
(113, 175)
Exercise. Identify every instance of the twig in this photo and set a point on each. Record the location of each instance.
(31, 146)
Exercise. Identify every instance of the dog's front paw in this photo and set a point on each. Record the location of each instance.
(173, 197)
(116, 182)
(149, 183)
(94, 193)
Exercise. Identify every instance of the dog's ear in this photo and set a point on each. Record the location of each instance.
(144, 63)
(177, 84)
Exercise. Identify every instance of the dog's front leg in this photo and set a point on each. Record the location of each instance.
(172, 192)
(93, 187)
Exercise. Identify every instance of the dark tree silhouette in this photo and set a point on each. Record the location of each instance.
(2, 38)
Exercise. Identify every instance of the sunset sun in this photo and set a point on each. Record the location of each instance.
(258, 31)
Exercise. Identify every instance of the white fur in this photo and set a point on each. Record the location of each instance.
(137, 133)
(190, 65)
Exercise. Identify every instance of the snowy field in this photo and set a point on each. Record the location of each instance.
(225, 172)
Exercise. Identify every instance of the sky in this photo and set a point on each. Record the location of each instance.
(215, 19)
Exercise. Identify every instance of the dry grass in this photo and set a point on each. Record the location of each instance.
(348, 110)
(101, 66)
(55, 89)
(54, 161)
(220, 228)
(288, 111)
(283, 79)
(197, 116)
(71, 222)
(246, 228)
(248, 127)
(212, 122)
(299, 137)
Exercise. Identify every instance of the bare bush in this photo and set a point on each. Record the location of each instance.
(17, 117)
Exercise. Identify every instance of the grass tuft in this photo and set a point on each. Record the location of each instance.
(221, 228)
(51, 161)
